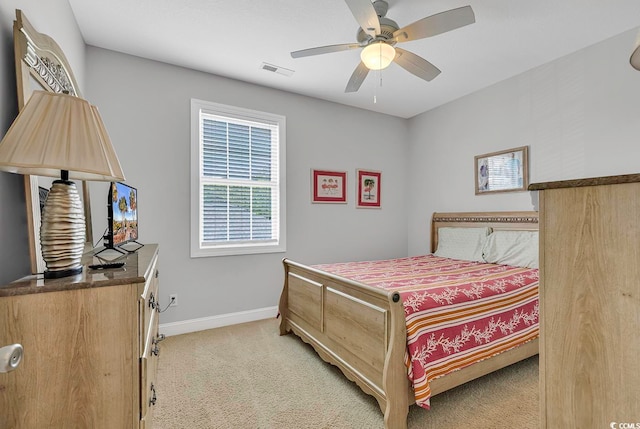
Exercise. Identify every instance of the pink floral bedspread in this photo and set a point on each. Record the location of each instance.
(457, 312)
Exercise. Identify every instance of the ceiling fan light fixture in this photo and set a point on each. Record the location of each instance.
(378, 56)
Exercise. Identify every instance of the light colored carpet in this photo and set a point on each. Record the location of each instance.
(247, 376)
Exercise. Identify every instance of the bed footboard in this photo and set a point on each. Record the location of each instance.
(357, 328)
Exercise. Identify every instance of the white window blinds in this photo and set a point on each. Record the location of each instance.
(240, 182)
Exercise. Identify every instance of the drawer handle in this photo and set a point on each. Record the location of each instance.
(10, 357)
(158, 338)
(154, 398)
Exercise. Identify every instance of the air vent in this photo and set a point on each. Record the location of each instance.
(276, 69)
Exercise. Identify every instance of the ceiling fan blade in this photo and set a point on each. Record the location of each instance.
(416, 65)
(436, 24)
(366, 15)
(358, 76)
(324, 50)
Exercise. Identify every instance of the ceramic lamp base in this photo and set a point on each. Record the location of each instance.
(62, 232)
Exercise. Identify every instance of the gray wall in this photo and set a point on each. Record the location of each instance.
(54, 18)
(146, 107)
(579, 116)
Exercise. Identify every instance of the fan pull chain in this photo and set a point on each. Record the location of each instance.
(375, 100)
(375, 87)
(375, 93)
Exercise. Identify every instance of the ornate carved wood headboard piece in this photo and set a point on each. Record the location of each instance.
(39, 56)
(41, 64)
(520, 221)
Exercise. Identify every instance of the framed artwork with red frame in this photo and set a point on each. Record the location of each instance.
(328, 186)
(368, 189)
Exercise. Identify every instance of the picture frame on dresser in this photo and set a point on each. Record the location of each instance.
(41, 64)
(502, 171)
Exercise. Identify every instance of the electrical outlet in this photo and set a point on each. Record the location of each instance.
(173, 300)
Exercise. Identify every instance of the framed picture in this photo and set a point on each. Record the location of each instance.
(328, 186)
(368, 189)
(504, 171)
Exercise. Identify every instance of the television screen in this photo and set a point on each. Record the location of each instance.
(123, 214)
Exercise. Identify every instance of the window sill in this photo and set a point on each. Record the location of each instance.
(235, 251)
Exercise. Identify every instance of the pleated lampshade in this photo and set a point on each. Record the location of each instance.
(57, 132)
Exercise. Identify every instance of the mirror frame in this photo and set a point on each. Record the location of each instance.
(40, 62)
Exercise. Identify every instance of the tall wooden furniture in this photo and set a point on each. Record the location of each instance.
(590, 302)
(90, 347)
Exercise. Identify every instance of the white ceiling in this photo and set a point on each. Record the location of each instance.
(233, 38)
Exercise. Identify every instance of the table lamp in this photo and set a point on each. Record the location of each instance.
(60, 135)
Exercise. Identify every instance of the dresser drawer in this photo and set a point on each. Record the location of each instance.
(148, 370)
(149, 305)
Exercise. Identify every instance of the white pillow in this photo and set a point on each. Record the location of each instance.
(462, 243)
(517, 248)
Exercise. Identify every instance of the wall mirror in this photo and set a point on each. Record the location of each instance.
(41, 65)
(503, 171)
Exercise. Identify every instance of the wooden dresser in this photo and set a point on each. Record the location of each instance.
(90, 347)
(590, 302)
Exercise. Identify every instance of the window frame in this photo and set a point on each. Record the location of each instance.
(240, 114)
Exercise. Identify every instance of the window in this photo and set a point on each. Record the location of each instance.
(237, 180)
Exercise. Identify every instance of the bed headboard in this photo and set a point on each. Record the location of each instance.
(515, 221)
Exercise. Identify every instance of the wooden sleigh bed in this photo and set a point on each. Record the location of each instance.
(361, 329)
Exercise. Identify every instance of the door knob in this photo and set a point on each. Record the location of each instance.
(10, 357)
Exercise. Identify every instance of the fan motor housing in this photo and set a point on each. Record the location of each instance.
(387, 28)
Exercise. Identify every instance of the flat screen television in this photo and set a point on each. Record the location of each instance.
(122, 217)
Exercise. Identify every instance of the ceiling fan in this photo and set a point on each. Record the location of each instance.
(378, 35)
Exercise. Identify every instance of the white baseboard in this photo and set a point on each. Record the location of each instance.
(194, 325)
